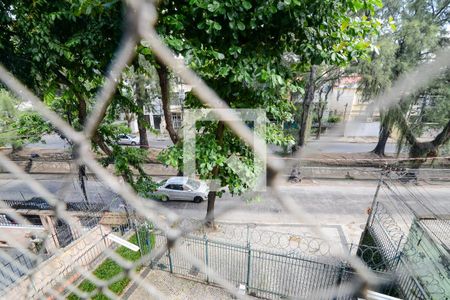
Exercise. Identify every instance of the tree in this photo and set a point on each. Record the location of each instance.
(250, 53)
(419, 29)
(139, 96)
(164, 83)
(54, 47)
(433, 112)
(307, 102)
(322, 105)
(8, 113)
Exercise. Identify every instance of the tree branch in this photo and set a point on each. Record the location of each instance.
(82, 111)
(442, 9)
(443, 137)
(163, 75)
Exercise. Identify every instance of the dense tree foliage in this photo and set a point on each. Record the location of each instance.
(54, 47)
(251, 53)
(420, 29)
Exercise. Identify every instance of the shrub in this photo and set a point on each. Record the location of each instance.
(334, 119)
(109, 268)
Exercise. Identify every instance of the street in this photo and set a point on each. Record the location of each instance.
(334, 204)
(161, 142)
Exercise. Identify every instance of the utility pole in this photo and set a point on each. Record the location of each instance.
(345, 112)
(374, 202)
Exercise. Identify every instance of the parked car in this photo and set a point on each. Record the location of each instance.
(183, 188)
(128, 139)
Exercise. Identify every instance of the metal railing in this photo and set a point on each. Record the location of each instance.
(399, 253)
(266, 274)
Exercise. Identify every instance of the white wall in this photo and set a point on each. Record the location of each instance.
(354, 128)
(336, 105)
(79, 253)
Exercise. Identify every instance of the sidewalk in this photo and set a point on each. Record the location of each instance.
(174, 288)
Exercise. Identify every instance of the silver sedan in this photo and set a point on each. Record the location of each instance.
(183, 188)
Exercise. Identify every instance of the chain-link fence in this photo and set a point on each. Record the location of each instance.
(263, 273)
(272, 269)
(69, 273)
(407, 247)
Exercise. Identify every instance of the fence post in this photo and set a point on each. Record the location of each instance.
(248, 238)
(399, 244)
(138, 239)
(170, 260)
(373, 209)
(339, 279)
(374, 214)
(398, 252)
(374, 203)
(351, 248)
(206, 257)
(249, 254)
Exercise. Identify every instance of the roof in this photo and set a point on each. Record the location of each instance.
(349, 81)
(40, 203)
(177, 180)
(439, 229)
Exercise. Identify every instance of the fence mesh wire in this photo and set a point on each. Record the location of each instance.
(41, 271)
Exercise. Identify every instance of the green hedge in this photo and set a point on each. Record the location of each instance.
(109, 268)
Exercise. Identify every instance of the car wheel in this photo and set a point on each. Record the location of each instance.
(164, 198)
(133, 143)
(198, 199)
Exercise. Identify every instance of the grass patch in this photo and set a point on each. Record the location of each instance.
(109, 268)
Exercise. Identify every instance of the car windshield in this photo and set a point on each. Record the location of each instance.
(162, 182)
(194, 184)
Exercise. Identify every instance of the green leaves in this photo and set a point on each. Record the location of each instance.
(30, 127)
(392, 23)
(239, 49)
(247, 5)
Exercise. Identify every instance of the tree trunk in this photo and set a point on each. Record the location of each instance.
(101, 144)
(163, 75)
(443, 137)
(322, 106)
(428, 149)
(305, 116)
(140, 94)
(385, 132)
(209, 219)
(320, 111)
(82, 113)
(143, 139)
(319, 126)
(81, 178)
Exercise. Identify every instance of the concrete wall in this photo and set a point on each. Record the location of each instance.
(428, 260)
(360, 129)
(18, 235)
(82, 252)
(339, 98)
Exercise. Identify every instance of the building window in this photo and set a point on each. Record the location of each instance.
(33, 219)
(176, 120)
(157, 122)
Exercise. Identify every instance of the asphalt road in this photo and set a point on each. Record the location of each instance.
(64, 188)
(328, 202)
(54, 142)
(338, 197)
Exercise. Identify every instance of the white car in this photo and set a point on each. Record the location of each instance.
(128, 139)
(183, 188)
